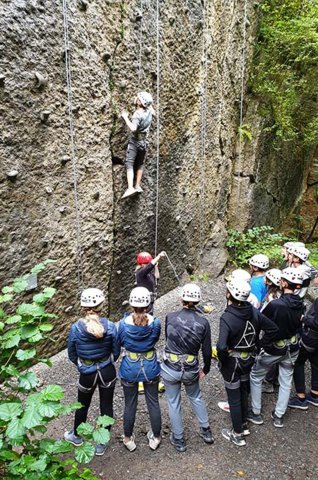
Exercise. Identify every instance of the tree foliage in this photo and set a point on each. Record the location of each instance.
(286, 68)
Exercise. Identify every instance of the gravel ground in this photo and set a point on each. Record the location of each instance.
(271, 453)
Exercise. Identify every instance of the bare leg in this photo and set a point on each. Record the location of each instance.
(130, 178)
(138, 177)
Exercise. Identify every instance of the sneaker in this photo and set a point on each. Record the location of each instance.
(310, 399)
(178, 443)
(154, 442)
(138, 189)
(246, 430)
(235, 438)
(128, 192)
(295, 402)
(130, 445)
(256, 419)
(100, 449)
(277, 421)
(224, 406)
(267, 387)
(206, 434)
(72, 438)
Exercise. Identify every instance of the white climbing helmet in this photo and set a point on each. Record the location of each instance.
(300, 252)
(240, 274)
(145, 98)
(274, 275)
(259, 260)
(191, 293)
(139, 297)
(239, 289)
(293, 244)
(292, 275)
(92, 297)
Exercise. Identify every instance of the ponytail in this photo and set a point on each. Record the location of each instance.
(93, 323)
(140, 317)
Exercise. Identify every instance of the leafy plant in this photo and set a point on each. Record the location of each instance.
(25, 410)
(245, 133)
(243, 245)
(200, 277)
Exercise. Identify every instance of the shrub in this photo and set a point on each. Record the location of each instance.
(25, 410)
(243, 245)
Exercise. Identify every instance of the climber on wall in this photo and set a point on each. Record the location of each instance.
(139, 126)
(147, 274)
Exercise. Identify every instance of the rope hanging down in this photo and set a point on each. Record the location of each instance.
(158, 123)
(79, 268)
(241, 109)
(141, 11)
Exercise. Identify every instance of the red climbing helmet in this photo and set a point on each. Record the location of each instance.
(143, 258)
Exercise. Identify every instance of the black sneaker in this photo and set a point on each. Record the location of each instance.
(178, 443)
(206, 434)
(277, 421)
(235, 438)
(257, 419)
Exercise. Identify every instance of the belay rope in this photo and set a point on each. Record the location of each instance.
(158, 124)
(79, 267)
(238, 206)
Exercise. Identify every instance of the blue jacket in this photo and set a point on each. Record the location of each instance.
(138, 339)
(82, 345)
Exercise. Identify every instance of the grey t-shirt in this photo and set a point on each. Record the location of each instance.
(142, 119)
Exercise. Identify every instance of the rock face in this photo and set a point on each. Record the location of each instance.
(61, 199)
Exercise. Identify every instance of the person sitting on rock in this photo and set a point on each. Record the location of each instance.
(139, 126)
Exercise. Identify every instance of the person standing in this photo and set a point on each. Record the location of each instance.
(139, 126)
(258, 264)
(93, 348)
(286, 313)
(138, 334)
(147, 274)
(240, 328)
(186, 333)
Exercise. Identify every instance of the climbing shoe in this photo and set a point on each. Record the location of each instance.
(130, 445)
(206, 434)
(236, 438)
(224, 406)
(129, 192)
(154, 442)
(178, 443)
(72, 438)
(278, 422)
(100, 449)
(296, 402)
(257, 419)
(312, 400)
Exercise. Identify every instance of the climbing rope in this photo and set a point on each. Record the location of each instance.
(140, 44)
(241, 110)
(79, 268)
(173, 269)
(158, 124)
(203, 130)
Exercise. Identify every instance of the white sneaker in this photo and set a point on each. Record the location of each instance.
(154, 442)
(224, 406)
(130, 445)
(138, 189)
(128, 192)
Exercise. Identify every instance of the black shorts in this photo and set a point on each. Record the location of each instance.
(136, 153)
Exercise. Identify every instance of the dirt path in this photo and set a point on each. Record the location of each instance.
(282, 454)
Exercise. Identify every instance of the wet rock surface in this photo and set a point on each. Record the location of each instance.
(289, 453)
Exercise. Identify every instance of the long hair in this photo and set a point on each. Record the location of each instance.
(188, 304)
(274, 291)
(140, 317)
(92, 321)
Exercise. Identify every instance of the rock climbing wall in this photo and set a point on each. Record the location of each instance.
(60, 199)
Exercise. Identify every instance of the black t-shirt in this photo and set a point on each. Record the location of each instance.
(145, 277)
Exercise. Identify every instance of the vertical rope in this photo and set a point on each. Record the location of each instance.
(79, 268)
(239, 165)
(158, 123)
(140, 44)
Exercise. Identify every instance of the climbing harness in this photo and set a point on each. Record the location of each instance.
(102, 384)
(238, 203)
(158, 123)
(136, 357)
(176, 358)
(79, 266)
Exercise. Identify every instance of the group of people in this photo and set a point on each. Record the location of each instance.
(263, 328)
